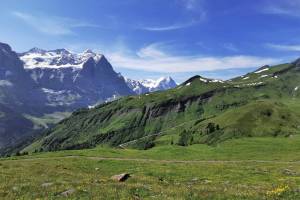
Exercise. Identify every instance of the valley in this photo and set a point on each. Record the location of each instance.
(204, 139)
(149, 100)
(41, 87)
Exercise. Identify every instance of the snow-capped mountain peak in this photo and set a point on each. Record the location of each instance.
(36, 50)
(59, 58)
(163, 83)
(88, 54)
(150, 85)
(88, 51)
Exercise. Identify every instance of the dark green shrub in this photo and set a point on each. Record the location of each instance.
(184, 138)
(145, 143)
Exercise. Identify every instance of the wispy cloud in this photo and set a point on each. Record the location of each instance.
(171, 27)
(230, 47)
(282, 47)
(52, 25)
(192, 4)
(151, 51)
(282, 7)
(152, 58)
(193, 14)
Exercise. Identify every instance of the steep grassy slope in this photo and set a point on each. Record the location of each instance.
(257, 118)
(257, 104)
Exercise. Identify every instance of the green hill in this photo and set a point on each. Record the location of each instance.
(201, 110)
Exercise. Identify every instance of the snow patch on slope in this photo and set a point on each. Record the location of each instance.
(262, 70)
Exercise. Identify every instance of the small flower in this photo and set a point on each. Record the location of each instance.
(278, 191)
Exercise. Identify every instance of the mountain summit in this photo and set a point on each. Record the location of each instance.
(74, 79)
(150, 85)
(59, 58)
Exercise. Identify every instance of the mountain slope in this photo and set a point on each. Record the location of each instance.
(16, 90)
(199, 105)
(39, 87)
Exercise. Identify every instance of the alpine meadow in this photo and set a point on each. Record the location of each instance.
(179, 99)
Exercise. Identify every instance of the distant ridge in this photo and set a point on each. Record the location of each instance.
(261, 103)
(150, 85)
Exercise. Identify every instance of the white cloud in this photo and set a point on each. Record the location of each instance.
(283, 7)
(193, 13)
(151, 58)
(52, 25)
(170, 27)
(281, 47)
(230, 47)
(192, 4)
(151, 51)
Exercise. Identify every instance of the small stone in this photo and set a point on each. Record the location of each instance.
(207, 181)
(68, 192)
(195, 179)
(289, 172)
(226, 182)
(46, 184)
(121, 177)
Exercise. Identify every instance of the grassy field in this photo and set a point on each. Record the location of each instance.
(249, 168)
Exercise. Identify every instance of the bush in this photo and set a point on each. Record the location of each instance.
(145, 143)
(148, 145)
(212, 127)
(21, 154)
(185, 138)
(172, 141)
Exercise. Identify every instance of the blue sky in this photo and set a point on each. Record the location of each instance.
(153, 38)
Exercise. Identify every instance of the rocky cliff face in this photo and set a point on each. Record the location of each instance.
(74, 80)
(39, 83)
(17, 89)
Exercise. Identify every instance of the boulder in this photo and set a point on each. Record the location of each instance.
(68, 192)
(46, 184)
(121, 177)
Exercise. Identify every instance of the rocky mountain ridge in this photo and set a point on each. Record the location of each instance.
(39, 86)
(150, 85)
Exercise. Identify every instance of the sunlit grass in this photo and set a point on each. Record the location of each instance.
(261, 170)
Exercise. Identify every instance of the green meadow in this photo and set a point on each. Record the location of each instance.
(247, 168)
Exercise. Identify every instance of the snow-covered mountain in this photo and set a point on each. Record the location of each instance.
(40, 83)
(59, 58)
(74, 80)
(150, 85)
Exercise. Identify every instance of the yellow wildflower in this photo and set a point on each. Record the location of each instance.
(278, 191)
